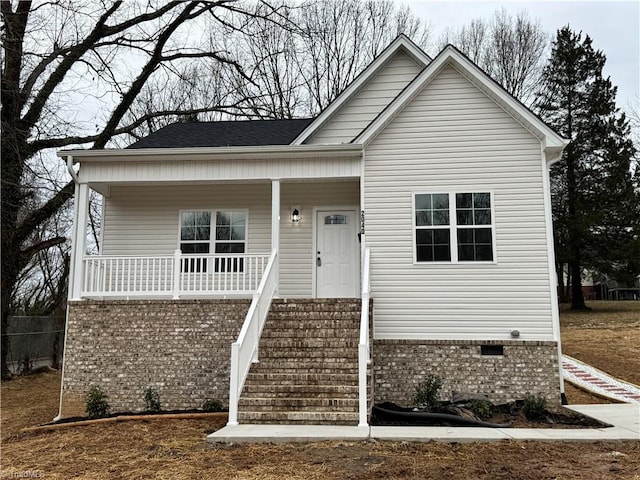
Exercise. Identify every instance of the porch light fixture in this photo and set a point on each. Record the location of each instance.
(295, 215)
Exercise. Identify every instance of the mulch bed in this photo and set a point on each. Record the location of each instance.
(509, 415)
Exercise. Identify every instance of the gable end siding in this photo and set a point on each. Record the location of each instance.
(452, 137)
(347, 123)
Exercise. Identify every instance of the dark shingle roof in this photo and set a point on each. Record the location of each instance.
(223, 134)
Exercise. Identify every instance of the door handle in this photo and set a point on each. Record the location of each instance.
(318, 262)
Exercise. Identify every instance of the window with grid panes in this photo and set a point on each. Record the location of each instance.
(230, 240)
(195, 238)
(463, 220)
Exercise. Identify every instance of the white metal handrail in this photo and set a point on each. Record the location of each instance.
(244, 351)
(364, 350)
(171, 275)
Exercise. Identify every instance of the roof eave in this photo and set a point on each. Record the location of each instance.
(212, 153)
(553, 150)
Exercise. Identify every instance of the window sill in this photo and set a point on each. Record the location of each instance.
(465, 263)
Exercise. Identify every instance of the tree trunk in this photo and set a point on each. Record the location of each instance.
(577, 297)
(7, 287)
(562, 293)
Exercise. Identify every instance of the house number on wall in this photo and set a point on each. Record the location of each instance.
(362, 222)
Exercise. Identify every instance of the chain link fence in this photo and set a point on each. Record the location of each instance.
(34, 342)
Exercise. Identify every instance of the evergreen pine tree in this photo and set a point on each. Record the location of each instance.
(595, 196)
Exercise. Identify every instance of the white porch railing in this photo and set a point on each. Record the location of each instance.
(244, 351)
(364, 350)
(172, 275)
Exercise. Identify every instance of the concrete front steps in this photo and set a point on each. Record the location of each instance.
(308, 368)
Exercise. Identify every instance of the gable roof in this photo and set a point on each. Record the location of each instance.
(400, 44)
(553, 143)
(224, 134)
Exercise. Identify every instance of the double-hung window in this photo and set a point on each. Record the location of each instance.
(195, 238)
(453, 227)
(231, 230)
(473, 218)
(229, 239)
(433, 235)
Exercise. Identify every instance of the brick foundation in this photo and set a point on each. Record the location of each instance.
(399, 366)
(181, 348)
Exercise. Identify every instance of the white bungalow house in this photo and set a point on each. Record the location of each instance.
(298, 270)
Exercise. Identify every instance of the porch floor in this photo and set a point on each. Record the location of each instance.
(623, 417)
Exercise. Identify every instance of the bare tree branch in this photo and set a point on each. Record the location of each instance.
(44, 245)
(511, 50)
(78, 140)
(36, 217)
(144, 75)
(39, 100)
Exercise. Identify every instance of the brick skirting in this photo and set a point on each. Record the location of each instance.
(399, 366)
(181, 348)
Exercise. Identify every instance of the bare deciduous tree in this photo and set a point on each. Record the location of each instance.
(59, 57)
(510, 49)
(298, 71)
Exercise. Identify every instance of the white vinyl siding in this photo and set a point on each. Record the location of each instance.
(374, 96)
(297, 260)
(453, 138)
(145, 220)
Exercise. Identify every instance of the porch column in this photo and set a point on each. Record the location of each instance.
(79, 244)
(275, 227)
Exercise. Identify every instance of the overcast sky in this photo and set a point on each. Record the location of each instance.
(614, 27)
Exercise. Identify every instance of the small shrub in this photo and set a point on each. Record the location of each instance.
(97, 405)
(481, 408)
(427, 393)
(151, 400)
(212, 405)
(534, 407)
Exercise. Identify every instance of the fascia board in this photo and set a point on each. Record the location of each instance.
(400, 44)
(213, 153)
(451, 56)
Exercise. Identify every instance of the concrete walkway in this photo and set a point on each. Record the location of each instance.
(625, 419)
(598, 382)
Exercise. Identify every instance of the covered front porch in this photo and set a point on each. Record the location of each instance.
(208, 229)
(215, 241)
(188, 226)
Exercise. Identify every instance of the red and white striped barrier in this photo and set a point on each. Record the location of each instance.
(598, 382)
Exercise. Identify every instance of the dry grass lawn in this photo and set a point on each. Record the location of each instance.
(175, 449)
(607, 337)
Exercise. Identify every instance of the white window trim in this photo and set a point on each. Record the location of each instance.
(180, 241)
(453, 227)
(212, 227)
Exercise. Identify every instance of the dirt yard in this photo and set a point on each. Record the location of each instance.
(608, 337)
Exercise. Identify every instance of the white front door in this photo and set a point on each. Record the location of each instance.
(337, 265)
